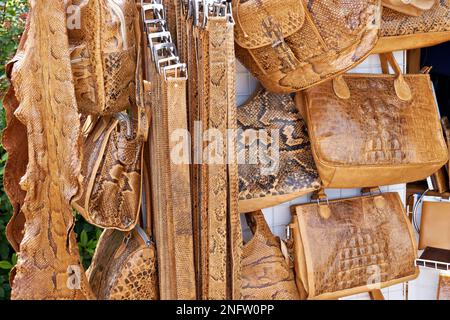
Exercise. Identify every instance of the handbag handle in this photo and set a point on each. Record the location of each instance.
(402, 89)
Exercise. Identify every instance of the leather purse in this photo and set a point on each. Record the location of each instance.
(402, 32)
(409, 7)
(435, 225)
(103, 53)
(366, 130)
(124, 265)
(266, 271)
(111, 168)
(271, 123)
(349, 246)
(295, 44)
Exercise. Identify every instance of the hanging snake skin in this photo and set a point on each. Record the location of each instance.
(48, 264)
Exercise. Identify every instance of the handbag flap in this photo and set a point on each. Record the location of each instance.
(366, 241)
(260, 22)
(411, 7)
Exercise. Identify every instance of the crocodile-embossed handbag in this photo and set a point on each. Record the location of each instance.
(409, 7)
(294, 44)
(358, 245)
(374, 129)
(103, 37)
(402, 32)
(275, 159)
(266, 271)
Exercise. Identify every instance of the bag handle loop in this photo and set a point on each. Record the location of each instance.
(402, 89)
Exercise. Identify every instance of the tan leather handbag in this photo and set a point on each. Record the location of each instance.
(373, 130)
(104, 43)
(266, 271)
(269, 120)
(294, 44)
(409, 7)
(111, 169)
(402, 32)
(349, 246)
(124, 266)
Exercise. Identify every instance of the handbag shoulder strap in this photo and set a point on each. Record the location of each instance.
(258, 224)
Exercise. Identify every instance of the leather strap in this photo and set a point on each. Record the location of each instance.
(376, 295)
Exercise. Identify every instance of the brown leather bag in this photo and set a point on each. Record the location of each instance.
(435, 225)
(294, 44)
(270, 120)
(402, 32)
(349, 246)
(266, 271)
(111, 171)
(367, 130)
(124, 266)
(409, 7)
(104, 55)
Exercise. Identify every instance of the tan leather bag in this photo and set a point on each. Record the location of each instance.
(294, 44)
(435, 225)
(444, 287)
(111, 171)
(409, 7)
(124, 266)
(402, 32)
(104, 44)
(271, 128)
(373, 130)
(349, 246)
(266, 271)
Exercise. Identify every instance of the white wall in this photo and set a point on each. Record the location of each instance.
(424, 287)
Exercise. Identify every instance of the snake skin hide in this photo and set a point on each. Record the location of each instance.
(294, 171)
(365, 241)
(48, 265)
(290, 45)
(15, 142)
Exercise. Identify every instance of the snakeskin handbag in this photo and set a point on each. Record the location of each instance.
(291, 45)
(349, 246)
(402, 32)
(362, 140)
(266, 272)
(111, 171)
(124, 265)
(104, 44)
(276, 164)
(409, 7)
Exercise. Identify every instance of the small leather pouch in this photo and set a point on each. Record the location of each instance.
(435, 225)
(266, 272)
(349, 246)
